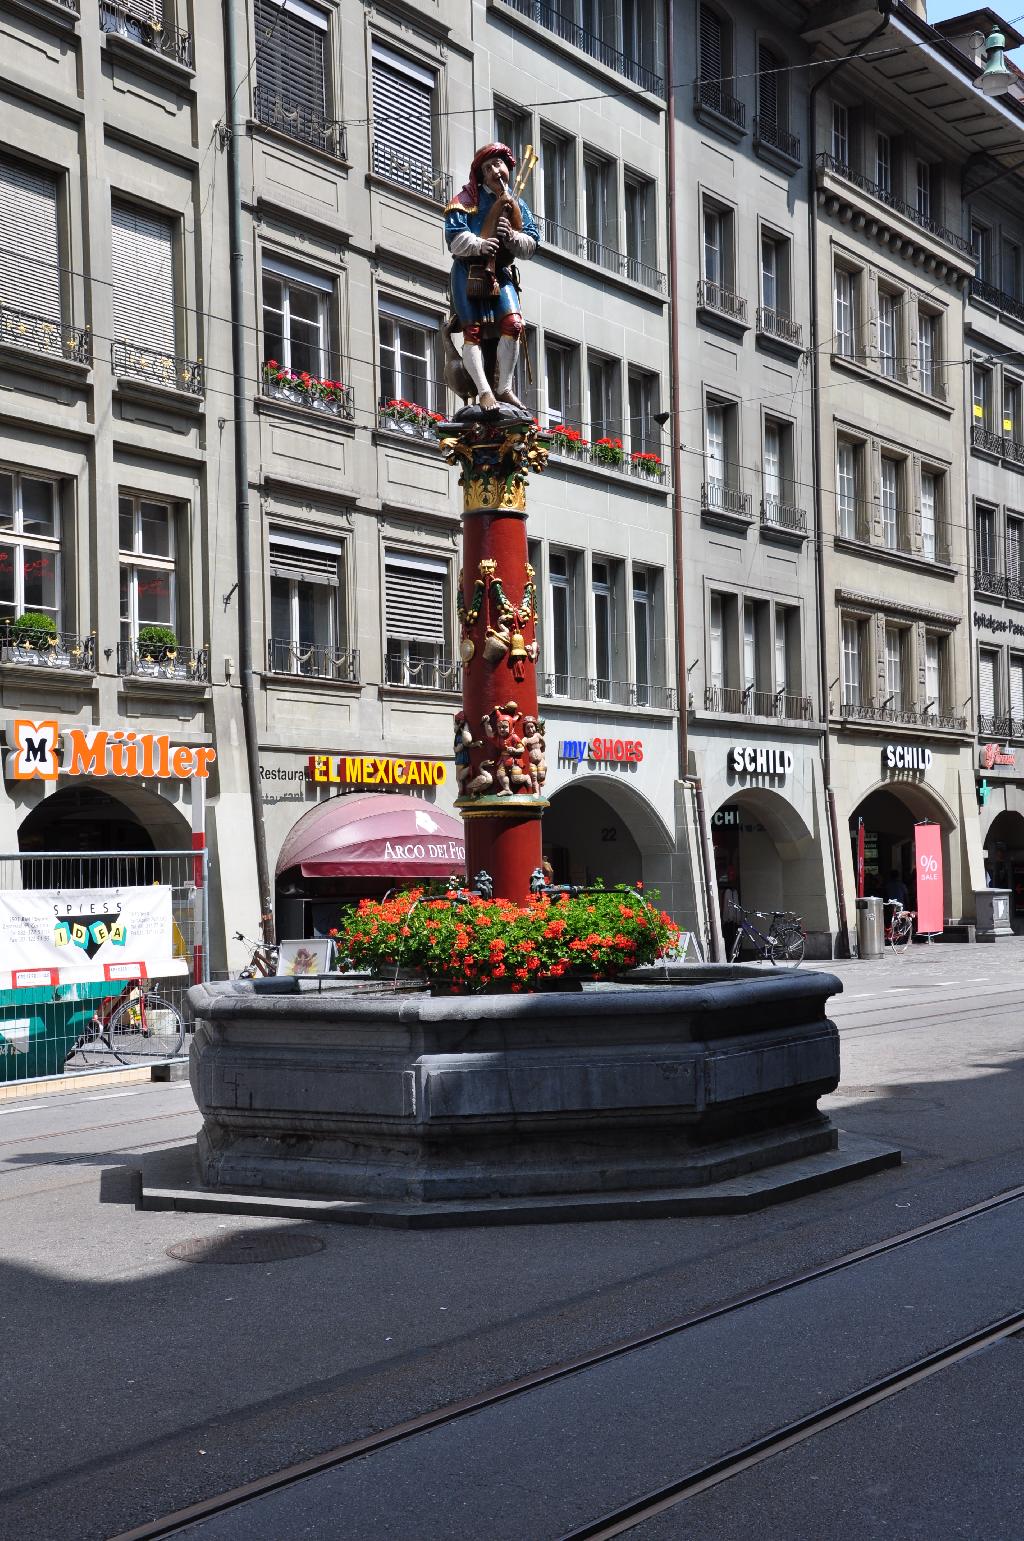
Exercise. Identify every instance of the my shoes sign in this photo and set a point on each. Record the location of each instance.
(45, 751)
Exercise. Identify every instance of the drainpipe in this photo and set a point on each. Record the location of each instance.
(884, 7)
(236, 133)
(677, 493)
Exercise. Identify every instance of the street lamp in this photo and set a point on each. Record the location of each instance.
(996, 78)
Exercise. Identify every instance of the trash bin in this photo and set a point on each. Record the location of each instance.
(870, 928)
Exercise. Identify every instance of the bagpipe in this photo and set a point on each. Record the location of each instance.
(482, 277)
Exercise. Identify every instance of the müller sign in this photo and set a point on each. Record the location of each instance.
(44, 751)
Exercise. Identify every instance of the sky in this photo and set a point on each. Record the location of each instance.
(938, 10)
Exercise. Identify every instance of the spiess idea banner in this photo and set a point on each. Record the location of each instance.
(64, 936)
(928, 863)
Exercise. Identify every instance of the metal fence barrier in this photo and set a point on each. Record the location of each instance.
(42, 1027)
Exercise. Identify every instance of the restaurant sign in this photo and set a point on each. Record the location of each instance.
(366, 770)
(44, 751)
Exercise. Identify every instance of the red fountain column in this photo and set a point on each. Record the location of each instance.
(499, 737)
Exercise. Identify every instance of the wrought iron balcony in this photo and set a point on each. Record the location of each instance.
(838, 168)
(777, 137)
(423, 673)
(326, 395)
(312, 660)
(580, 687)
(169, 42)
(140, 660)
(736, 700)
(853, 518)
(1013, 449)
(719, 498)
(716, 297)
(278, 111)
(710, 97)
(988, 581)
(772, 323)
(549, 14)
(73, 6)
(173, 371)
(984, 439)
(59, 650)
(988, 294)
(783, 516)
(408, 171)
(37, 334)
(567, 239)
(913, 716)
(1001, 727)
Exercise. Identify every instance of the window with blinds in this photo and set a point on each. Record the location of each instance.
(291, 71)
(769, 94)
(142, 271)
(712, 45)
(414, 598)
(1017, 692)
(30, 278)
(987, 666)
(403, 117)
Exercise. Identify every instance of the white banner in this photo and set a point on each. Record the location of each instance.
(62, 936)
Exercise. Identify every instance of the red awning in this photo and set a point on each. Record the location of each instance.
(375, 835)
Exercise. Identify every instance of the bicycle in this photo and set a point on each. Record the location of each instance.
(263, 959)
(135, 1025)
(900, 927)
(782, 942)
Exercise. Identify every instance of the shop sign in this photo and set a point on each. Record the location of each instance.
(44, 751)
(614, 751)
(374, 771)
(746, 760)
(992, 754)
(906, 757)
(928, 865)
(727, 817)
(998, 623)
(59, 936)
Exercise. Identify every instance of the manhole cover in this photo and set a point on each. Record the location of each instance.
(246, 1247)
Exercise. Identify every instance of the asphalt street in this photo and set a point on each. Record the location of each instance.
(135, 1383)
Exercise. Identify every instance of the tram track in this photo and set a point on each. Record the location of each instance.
(731, 1463)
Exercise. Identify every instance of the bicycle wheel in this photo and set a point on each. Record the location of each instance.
(734, 951)
(788, 947)
(901, 929)
(147, 1027)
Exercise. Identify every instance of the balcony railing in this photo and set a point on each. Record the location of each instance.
(985, 439)
(408, 171)
(772, 323)
(708, 96)
(423, 673)
(609, 458)
(1001, 585)
(736, 700)
(871, 711)
(70, 5)
(169, 42)
(52, 339)
(297, 121)
(565, 238)
(312, 660)
(830, 163)
(777, 137)
(719, 498)
(325, 395)
(988, 294)
(138, 660)
(783, 516)
(1013, 449)
(173, 371)
(579, 687)
(712, 296)
(853, 519)
(549, 15)
(1001, 727)
(59, 650)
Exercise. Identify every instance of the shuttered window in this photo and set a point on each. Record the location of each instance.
(987, 682)
(291, 69)
(712, 51)
(414, 589)
(143, 279)
(768, 94)
(307, 560)
(29, 247)
(403, 106)
(1017, 692)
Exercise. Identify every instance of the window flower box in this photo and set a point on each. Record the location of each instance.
(306, 390)
(408, 417)
(646, 464)
(569, 441)
(608, 452)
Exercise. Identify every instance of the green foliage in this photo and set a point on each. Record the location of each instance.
(470, 944)
(32, 628)
(162, 637)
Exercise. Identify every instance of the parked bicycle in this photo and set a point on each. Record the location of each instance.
(136, 1025)
(900, 926)
(781, 941)
(262, 961)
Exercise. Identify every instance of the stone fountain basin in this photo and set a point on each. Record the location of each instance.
(679, 1077)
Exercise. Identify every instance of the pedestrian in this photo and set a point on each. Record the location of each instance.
(895, 888)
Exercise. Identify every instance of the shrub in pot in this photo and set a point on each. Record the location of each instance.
(34, 629)
(158, 641)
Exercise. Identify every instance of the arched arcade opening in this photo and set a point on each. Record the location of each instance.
(1004, 860)
(766, 858)
(890, 814)
(103, 833)
(600, 829)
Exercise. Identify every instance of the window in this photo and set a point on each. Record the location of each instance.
(775, 279)
(561, 363)
(644, 432)
(883, 163)
(929, 513)
(403, 121)
(1015, 556)
(714, 245)
(603, 386)
(847, 490)
(715, 466)
(888, 331)
(923, 189)
(755, 654)
(845, 324)
(721, 609)
(30, 257)
(981, 245)
(927, 329)
(408, 356)
(1012, 409)
(715, 53)
(306, 605)
(146, 539)
(934, 658)
(603, 582)
(988, 674)
(895, 667)
(143, 281)
(291, 71)
(599, 205)
(558, 178)
(1011, 268)
(776, 463)
(295, 310)
(643, 632)
(29, 546)
(1017, 694)
(416, 620)
(984, 539)
(512, 127)
(772, 96)
(854, 657)
(982, 397)
(787, 651)
(561, 576)
(641, 240)
(890, 486)
(840, 134)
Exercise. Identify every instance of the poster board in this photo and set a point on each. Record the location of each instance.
(928, 867)
(51, 937)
